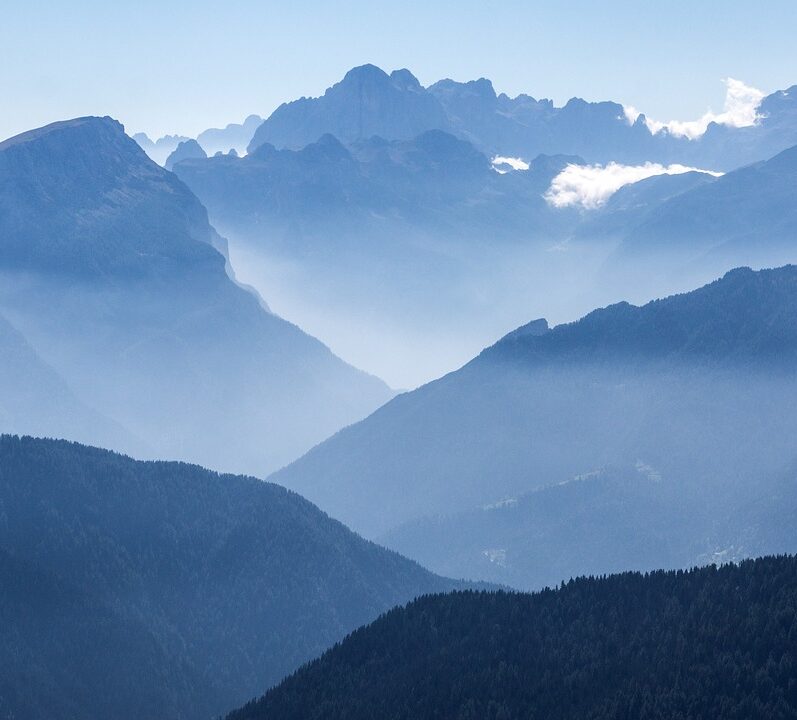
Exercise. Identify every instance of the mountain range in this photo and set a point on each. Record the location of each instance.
(162, 590)
(747, 213)
(384, 248)
(407, 256)
(369, 101)
(148, 295)
(160, 149)
(680, 409)
(114, 277)
(235, 136)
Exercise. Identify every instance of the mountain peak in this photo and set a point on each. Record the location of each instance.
(87, 125)
(405, 79)
(535, 328)
(186, 150)
(366, 102)
(367, 73)
(327, 148)
(101, 166)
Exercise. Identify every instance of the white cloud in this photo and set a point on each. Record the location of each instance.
(590, 186)
(500, 162)
(631, 113)
(741, 110)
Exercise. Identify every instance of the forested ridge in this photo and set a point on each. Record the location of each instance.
(156, 590)
(715, 642)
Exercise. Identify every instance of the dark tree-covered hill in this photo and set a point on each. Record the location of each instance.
(162, 590)
(708, 643)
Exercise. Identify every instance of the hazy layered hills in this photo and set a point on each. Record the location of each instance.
(672, 232)
(386, 247)
(751, 212)
(235, 136)
(716, 642)
(114, 276)
(160, 149)
(426, 250)
(608, 520)
(368, 101)
(35, 399)
(697, 388)
(162, 590)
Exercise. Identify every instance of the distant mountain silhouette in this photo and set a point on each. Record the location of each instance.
(365, 103)
(160, 149)
(373, 243)
(523, 126)
(163, 590)
(113, 274)
(369, 102)
(726, 148)
(632, 203)
(234, 136)
(381, 245)
(751, 212)
(184, 151)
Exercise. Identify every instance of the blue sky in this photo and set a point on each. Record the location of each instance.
(184, 66)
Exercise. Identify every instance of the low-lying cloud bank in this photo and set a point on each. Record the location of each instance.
(741, 110)
(590, 186)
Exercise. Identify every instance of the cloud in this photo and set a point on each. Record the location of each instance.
(741, 110)
(590, 186)
(501, 163)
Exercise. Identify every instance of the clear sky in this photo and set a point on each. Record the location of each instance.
(179, 66)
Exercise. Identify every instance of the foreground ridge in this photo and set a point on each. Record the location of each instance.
(710, 642)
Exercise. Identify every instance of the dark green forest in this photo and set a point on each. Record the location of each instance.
(154, 590)
(681, 645)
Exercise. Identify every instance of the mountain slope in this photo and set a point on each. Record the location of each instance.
(609, 520)
(207, 587)
(716, 642)
(749, 212)
(35, 399)
(698, 386)
(113, 274)
(67, 654)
